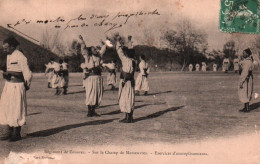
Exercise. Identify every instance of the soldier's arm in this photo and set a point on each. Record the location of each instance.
(103, 49)
(244, 74)
(27, 74)
(84, 50)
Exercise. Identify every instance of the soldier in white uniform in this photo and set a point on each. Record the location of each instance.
(58, 79)
(13, 105)
(190, 68)
(65, 71)
(197, 67)
(245, 89)
(215, 67)
(49, 71)
(127, 82)
(226, 63)
(94, 82)
(141, 83)
(111, 77)
(236, 64)
(204, 67)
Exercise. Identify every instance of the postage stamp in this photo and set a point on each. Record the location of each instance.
(240, 16)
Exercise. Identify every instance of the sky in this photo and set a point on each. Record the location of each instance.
(204, 14)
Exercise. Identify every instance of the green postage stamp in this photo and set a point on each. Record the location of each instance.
(240, 16)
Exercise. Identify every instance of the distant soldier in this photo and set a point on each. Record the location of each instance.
(236, 64)
(204, 67)
(215, 67)
(190, 68)
(197, 67)
(225, 66)
(65, 72)
(246, 80)
(58, 79)
(111, 77)
(50, 71)
(13, 103)
(142, 78)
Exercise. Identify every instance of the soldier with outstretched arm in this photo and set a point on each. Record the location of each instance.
(127, 82)
(93, 82)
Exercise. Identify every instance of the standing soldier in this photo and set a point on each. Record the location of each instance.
(65, 71)
(58, 79)
(49, 71)
(246, 80)
(13, 106)
(226, 65)
(215, 67)
(127, 82)
(94, 82)
(111, 77)
(197, 67)
(236, 64)
(190, 68)
(204, 67)
(142, 78)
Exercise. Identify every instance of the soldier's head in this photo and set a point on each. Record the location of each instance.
(66, 60)
(10, 44)
(246, 53)
(52, 59)
(60, 61)
(142, 57)
(93, 50)
(113, 61)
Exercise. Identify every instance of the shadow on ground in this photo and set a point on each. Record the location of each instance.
(158, 114)
(48, 132)
(255, 107)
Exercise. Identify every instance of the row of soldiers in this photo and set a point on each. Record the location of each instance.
(128, 86)
(58, 75)
(225, 66)
(17, 75)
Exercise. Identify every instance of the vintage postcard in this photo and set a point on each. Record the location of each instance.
(129, 81)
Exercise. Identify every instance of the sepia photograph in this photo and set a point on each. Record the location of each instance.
(129, 81)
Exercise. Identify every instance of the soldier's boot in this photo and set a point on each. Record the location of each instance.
(49, 85)
(57, 91)
(16, 135)
(89, 111)
(130, 117)
(113, 87)
(7, 132)
(137, 93)
(94, 112)
(125, 119)
(64, 90)
(145, 93)
(244, 109)
(247, 109)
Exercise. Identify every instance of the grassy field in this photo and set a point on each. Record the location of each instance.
(180, 108)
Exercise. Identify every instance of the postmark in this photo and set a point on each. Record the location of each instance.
(240, 16)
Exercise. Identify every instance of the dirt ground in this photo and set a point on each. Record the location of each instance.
(180, 108)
